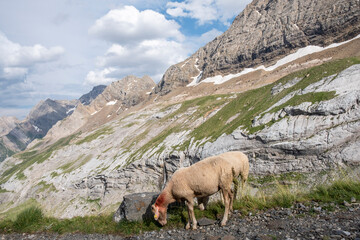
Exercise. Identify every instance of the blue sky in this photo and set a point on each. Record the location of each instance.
(60, 49)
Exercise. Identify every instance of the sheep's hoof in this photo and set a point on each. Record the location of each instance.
(223, 224)
(187, 226)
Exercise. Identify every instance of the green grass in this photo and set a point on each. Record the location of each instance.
(31, 157)
(33, 220)
(252, 103)
(71, 166)
(104, 131)
(28, 218)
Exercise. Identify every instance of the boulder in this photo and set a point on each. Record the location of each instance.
(136, 207)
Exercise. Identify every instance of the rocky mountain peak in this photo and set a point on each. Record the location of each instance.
(87, 98)
(130, 91)
(263, 33)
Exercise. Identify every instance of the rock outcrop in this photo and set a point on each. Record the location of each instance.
(263, 33)
(87, 98)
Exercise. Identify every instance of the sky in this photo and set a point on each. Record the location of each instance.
(60, 49)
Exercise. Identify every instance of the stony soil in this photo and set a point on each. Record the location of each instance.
(313, 221)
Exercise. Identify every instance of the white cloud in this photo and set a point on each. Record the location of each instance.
(17, 60)
(207, 10)
(149, 57)
(128, 25)
(143, 43)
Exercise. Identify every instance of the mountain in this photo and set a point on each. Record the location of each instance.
(87, 98)
(40, 119)
(115, 99)
(17, 135)
(263, 33)
(6, 124)
(301, 118)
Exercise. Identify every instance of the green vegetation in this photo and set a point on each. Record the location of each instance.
(33, 220)
(252, 103)
(31, 157)
(28, 218)
(4, 151)
(104, 131)
(46, 186)
(233, 113)
(71, 166)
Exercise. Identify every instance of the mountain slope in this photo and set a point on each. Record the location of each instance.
(40, 119)
(263, 33)
(128, 140)
(115, 99)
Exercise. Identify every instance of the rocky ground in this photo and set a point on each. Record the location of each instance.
(312, 221)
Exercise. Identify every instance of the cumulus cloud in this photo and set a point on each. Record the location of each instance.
(17, 60)
(128, 25)
(143, 43)
(207, 10)
(149, 57)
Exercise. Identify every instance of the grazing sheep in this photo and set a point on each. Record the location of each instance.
(201, 180)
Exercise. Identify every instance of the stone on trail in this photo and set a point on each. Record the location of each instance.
(136, 207)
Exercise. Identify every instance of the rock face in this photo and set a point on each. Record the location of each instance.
(87, 98)
(40, 119)
(115, 98)
(263, 33)
(129, 91)
(136, 207)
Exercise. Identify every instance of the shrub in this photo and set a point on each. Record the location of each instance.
(28, 218)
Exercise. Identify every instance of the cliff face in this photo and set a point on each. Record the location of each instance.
(263, 33)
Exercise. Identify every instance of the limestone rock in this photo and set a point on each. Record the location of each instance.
(265, 32)
(136, 207)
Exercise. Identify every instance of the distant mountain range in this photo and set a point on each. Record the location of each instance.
(16, 135)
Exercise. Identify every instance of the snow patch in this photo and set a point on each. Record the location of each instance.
(289, 58)
(111, 103)
(94, 113)
(37, 129)
(70, 110)
(184, 64)
(196, 79)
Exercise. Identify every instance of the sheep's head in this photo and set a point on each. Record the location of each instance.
(159, 214)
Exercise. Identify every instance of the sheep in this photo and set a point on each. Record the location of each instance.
(201, 180)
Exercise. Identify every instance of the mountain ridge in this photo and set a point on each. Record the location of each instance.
(274, 37)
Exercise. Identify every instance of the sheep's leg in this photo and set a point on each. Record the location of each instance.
(203, 201)
(227, 196)
(231, 201)
(190, 206)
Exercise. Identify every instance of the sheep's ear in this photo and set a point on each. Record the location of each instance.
(155, 211)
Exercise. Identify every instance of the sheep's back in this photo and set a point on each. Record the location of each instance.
(202, 178)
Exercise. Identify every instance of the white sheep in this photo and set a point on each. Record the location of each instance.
(201, 180)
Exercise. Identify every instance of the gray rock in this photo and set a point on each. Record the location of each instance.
(205, 222)
(136, 207)
(265, 32)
